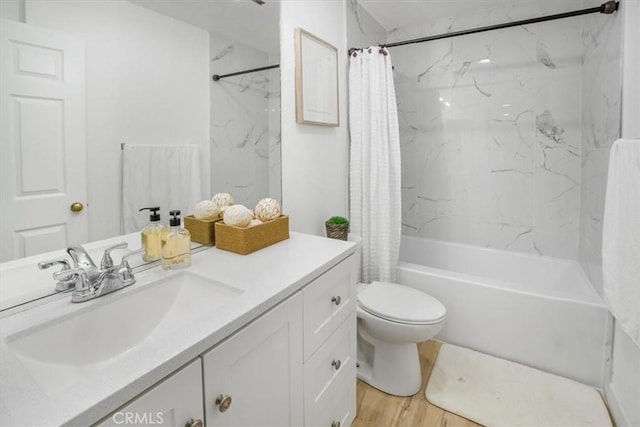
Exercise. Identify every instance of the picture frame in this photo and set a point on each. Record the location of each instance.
(316, 80)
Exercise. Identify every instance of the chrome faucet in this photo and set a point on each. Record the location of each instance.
(62, 285)
(81, 259)
(87, 279)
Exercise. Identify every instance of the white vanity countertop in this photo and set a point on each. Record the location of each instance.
(267, 277)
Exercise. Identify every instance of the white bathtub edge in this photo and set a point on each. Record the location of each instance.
(491, 283)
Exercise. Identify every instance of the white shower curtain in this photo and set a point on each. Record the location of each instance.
(375, 203)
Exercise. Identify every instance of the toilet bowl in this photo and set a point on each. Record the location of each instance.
(392, 319)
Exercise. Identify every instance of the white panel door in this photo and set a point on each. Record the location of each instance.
(42, 140)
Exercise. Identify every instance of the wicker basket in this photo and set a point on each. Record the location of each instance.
(201, 231)
(249, 239)
(337, 231)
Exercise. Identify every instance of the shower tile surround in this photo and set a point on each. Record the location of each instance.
(505, 134)
(601, 110)
(245, 123)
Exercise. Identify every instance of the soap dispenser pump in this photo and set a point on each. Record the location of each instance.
(152, 236)
(176, 244)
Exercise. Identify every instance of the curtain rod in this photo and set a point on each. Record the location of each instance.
(607, 8)
(217, 77)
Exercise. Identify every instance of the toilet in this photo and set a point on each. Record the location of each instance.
(392, 319)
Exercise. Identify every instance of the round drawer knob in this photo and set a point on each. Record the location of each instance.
(336, 300)
(336, 364)
(194, 423)
(335, 424)
(223, 402)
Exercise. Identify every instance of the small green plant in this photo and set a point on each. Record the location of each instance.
(336, 220)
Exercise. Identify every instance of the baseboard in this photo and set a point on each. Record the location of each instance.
(617, 413)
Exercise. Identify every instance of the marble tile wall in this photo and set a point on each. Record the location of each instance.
(245, 124)
(601, 111)
(491, 128)
(362, 28)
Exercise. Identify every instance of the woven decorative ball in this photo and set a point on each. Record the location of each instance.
(267, 209)
(254, 222)
(222, 199)
(237, 215)
(206, 210)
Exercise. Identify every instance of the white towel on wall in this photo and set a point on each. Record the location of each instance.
(621, 236)
(167, 176)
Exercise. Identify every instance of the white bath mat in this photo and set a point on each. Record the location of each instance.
(498, 393)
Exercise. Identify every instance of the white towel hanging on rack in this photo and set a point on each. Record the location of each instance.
(158, 175)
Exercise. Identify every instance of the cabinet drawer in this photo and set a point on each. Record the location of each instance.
(327, 302)
(340, 410)
(330, 365)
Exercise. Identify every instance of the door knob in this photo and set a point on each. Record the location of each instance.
(336, 364)
(194, 423)
(336, 300)
(76, 207)
(223, 402)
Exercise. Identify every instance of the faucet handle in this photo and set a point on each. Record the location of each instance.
(77, 276)
(125, 258)
(107, 261)
(46, 264)
(64, 284)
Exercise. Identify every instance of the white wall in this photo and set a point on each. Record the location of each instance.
(630, 10)
(315, 159)
(623, 390)
(147, 83)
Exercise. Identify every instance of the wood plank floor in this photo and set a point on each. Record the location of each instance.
(378, 409)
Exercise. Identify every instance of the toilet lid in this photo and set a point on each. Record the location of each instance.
(401, 303)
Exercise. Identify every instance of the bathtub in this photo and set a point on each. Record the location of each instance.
(539, 311)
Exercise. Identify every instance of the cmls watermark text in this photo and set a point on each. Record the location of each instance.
(138, 418)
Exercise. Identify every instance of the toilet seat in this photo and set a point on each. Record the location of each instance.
(400, 304)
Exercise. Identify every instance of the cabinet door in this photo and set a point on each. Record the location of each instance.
(255, 377)
(174, 402)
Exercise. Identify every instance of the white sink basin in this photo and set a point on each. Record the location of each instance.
(60, 352)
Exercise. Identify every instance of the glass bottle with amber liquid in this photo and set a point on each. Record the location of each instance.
(176, 244)
(152, 236)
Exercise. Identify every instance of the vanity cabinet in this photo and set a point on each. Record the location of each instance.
(254, 378)
(295, 365)
(176, 401)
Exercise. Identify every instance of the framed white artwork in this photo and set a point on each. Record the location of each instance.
(316, 80)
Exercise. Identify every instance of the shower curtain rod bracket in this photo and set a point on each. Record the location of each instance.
(609, 7)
